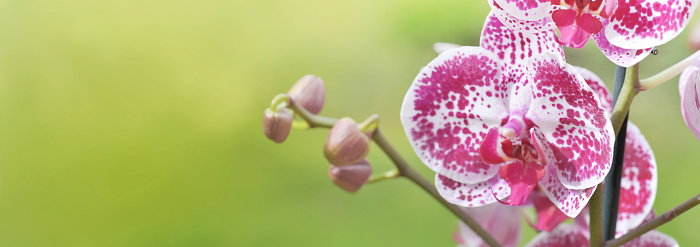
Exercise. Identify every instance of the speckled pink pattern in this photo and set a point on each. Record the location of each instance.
(653, 239)
(472, 195)
(620, 56)
(626, 38)
(572, 121)
(643, 24)
(639, 181)
(639, 178)
(530, 10)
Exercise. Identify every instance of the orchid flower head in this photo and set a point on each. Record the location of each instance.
(624, 30)
(496, 121)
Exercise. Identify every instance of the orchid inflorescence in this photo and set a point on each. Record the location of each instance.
(510, 125)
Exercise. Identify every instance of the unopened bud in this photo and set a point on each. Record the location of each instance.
(694, 37)
(309, 92)
(350, 177)
(276, 125)
(346, 144)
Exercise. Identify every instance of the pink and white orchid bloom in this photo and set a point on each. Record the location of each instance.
(690, 102)
(624, 30)
(498, 120)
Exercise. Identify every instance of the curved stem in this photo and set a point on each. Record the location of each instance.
(667, 74)
(656, 222)
(313, 119)
(384, 176)
(403, 169)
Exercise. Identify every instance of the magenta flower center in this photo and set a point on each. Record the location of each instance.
(576, 20)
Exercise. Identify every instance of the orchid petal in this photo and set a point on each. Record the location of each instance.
(548, 215)
(571, 202)
(531, 24)
(501, 221)
(649, 23)
(689, 90)
(516, 46)
(572, 119)
(527, 10)
(450, 107)
(639, 180)
(620, 56)
(568, 235)
(522, 177)
(472, 195)
(598, 86)
(652, 239)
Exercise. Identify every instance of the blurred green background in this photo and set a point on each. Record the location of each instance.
(137, 123)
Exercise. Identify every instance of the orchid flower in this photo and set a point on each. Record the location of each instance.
(497, 120)
(624, 30)
(689, 90)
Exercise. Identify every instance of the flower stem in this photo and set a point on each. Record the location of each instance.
(406, 171)
(384, 176)
(667, 74)
(656, 222)
(403, 168)
(626, 95)
(595, 207)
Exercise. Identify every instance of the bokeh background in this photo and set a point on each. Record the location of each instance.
(138, 123)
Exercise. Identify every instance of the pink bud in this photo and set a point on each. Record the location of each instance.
(694, 37)
(350, 177)
(309, 92)
(276, 125)
(346, 144)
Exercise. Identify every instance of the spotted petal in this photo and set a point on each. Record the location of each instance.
(450, 107)
(620, 56)
(472, 195)
(527, 10)
(689, 90)
(572, 120)
(652, 239)
(643, 24)
(639, 180)
(568, 235)
(501, 221)
(534, 22)
(598, 86)
(516, 46)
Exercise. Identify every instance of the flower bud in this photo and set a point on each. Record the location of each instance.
(276, 125)
(346, 144)
(350, 177)
(694, 37)
(309, 92)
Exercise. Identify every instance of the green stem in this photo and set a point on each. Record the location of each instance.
(654, 223)
(595, 208)
(384, 176)
(667, 74)
(279, 100)
(403, 170)
(627, 94)
(313, 119)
